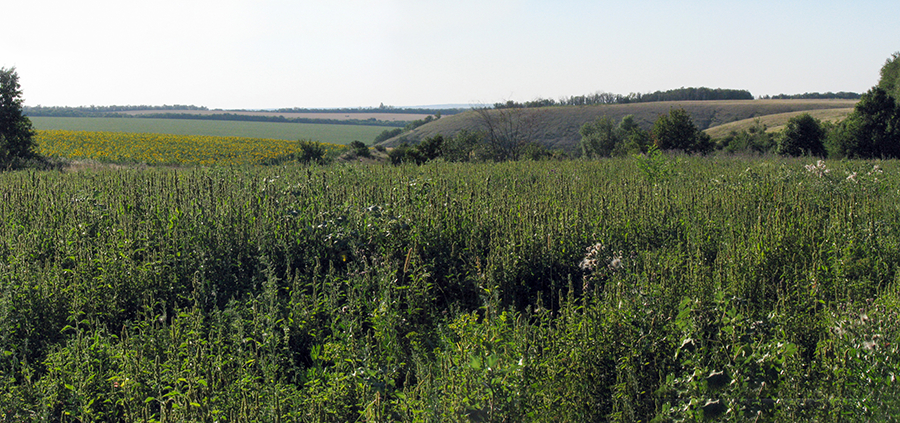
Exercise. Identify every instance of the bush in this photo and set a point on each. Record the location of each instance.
(359, 149)
(459, 148)
(803, 136)
(676, 131)
(754, 139)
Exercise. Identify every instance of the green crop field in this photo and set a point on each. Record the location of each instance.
(639, 289)
(334, 134)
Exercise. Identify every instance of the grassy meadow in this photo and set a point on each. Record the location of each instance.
(326, 133)
(663, 289)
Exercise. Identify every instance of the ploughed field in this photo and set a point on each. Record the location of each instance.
(619, 289)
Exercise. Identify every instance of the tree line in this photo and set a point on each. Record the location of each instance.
(841, 95)
(97, 111)
(598, 98)
(380, 109)
(259, 118)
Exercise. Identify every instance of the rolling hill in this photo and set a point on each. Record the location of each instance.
(560, 124)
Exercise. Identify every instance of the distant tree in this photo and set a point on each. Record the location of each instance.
(802, 136)
(602, 138)
(599, 138)
(311, 152)
(676, 131)
(387, 134)
(16, 133)
(754, 139)
(430, 148)
(508, 130)
(360, 149)
(459, 148)
(634, 140)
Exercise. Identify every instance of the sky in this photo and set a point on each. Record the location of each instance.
(260, 54)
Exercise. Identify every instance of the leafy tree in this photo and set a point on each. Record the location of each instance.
(404, 153)
(890, 76)
(599, 138)
(872, 130)
(754, 139)
(508, 130)
(430, 148)
(634, 139)
(802, 136)
(676, 131)
(459, 148)
(16, 133)
(602, 138)
(387, 134)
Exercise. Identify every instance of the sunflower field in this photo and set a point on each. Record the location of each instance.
(166, 149)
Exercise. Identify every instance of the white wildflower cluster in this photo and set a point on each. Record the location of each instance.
(876, 170)
(818, 169)
(599, 262)
(856, 176)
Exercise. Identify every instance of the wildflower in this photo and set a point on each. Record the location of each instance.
(875, 170)
(870, 345)
(852, 177)
(616, 263)
(818, 169)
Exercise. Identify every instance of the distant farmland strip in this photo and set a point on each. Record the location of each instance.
(336, 134)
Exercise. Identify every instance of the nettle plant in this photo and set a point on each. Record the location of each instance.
(732, 365)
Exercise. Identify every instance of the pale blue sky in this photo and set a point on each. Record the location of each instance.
(348, 53)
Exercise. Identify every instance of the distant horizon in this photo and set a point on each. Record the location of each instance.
(426, 106)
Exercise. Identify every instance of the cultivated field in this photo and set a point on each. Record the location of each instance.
(334, 134)
(389, 117)
(667, 289)
(166, 149)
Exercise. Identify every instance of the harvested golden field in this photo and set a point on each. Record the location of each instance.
(776, 122)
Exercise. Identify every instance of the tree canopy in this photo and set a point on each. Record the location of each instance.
(676, 131)
(802, 136)
(890, 76)
(16, 133)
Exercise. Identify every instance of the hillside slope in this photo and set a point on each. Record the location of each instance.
(561, 124)
(775, 122)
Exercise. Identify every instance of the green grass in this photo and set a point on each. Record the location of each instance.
(336, 134)
(613, 290)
